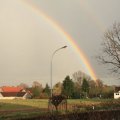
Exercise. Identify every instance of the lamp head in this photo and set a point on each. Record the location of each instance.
(64, 47)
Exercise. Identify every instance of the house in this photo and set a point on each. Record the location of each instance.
(117, 93)
(7, 92)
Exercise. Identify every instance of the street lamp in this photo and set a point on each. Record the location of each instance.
(52, 63)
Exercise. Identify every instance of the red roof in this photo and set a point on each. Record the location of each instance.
(13, 94)
(11, 89)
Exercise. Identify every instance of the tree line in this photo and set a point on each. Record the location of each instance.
(73, 89)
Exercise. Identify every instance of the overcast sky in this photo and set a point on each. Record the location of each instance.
(27, 41)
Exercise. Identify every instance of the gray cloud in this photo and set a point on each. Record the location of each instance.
(27, 41)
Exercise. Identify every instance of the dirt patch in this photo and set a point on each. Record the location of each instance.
(23, 110)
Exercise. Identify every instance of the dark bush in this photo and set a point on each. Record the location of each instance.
(94, 115)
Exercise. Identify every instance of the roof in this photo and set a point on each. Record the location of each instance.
(11, 89)
(13, 94)
(117, 89)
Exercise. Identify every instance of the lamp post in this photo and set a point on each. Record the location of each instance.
(52, 63)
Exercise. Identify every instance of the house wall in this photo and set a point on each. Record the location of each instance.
(1, 90)
(117, 95)
(7, 98)
(23, 90)
(1, 95)
(11, 98)
(27, 96)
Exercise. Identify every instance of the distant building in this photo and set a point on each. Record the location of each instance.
(7, 92)
(117, 93)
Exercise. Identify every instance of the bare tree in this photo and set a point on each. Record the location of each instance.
(79, 76)
(36, 89)
(36, 84)
(111, 48)
(23, 85)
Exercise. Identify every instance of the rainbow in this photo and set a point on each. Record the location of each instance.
(56, 26)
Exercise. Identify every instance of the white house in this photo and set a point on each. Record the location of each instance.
(117, 93)
(7, 92)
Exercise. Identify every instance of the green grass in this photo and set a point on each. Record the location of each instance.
(22, 108)
(19, 104)
(43, 103)
(99, 104)
(38, 106)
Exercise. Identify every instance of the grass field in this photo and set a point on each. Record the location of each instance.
(33, 107)
(23, 104)
(43, 103)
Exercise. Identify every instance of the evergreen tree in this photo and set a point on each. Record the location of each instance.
(47, 89)
(85, 87)
(68, 87)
